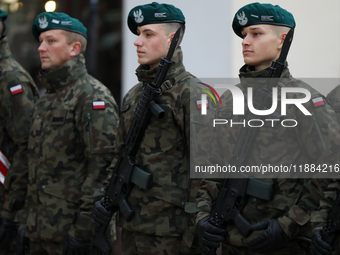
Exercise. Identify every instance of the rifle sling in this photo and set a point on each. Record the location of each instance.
(168, 84)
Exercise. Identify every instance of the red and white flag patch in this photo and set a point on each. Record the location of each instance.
(16, 89)
(4, 166)
(98, 105)
(318, 101)
(199, 104)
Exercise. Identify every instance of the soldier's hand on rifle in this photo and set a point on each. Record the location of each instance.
(209, 235)
(76, 247)
(100, 215)
(319, 246)
(23, 243)
(8, 231)
(272, 239)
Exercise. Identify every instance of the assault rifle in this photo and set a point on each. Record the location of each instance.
(332, 223)
(232, 194)
(126, 171)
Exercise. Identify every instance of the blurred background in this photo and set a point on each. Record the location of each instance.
(211, 49)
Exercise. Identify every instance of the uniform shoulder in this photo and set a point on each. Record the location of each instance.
(297, 83)
(132, 92)
(90, 86)
(13, 73)
(334, 93)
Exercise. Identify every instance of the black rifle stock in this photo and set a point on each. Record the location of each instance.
(120, 185)
(232, 194)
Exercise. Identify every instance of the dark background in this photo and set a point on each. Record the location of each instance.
(102, 18)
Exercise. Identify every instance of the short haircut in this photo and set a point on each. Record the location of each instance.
(72, 37)
(173, 27)
(280, 29)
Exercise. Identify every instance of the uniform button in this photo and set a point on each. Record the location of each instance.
(183, 203)
(30, 178)
(31, 210)
(32, 147)
(38, 116)
(254, 199)
(43, 186)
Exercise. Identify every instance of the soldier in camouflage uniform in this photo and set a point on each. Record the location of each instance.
(163, 222)
(18, 94)
(319, 246)
(334, 99)
(278, 220)
(71, 141)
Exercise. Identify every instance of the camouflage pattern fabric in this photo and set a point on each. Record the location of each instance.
(51, 248)
(321, 215)
(71, 142)
(17, 96)
(140, 243)
(164, 152)
(293, 202)
(334, 99)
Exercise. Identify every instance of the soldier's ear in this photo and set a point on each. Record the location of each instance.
(171, 36)
(282, 39)
(75, 49)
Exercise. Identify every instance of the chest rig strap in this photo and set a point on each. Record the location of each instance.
(168, 84)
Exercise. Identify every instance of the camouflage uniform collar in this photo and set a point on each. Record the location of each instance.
(145, 74)
(247, 72)
(4, 48)
(64, 75)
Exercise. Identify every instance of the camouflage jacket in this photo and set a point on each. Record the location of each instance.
(71, 142)
(164, 152)
(18, 93)
(292, 201)
(334, 99)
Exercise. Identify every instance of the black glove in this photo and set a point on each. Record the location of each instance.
(319, 246)
(100, 215)
(8, 231)
(76, 247)
(23, 243)
(209, 236)
(272, 239)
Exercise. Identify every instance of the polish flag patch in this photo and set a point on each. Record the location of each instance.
(318, 101)
(98, 105)
(199, 104)
(4, 166)
(16, 89)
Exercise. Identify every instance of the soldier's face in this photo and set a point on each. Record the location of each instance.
(152, 44)
(261, 45)
(54, 49)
